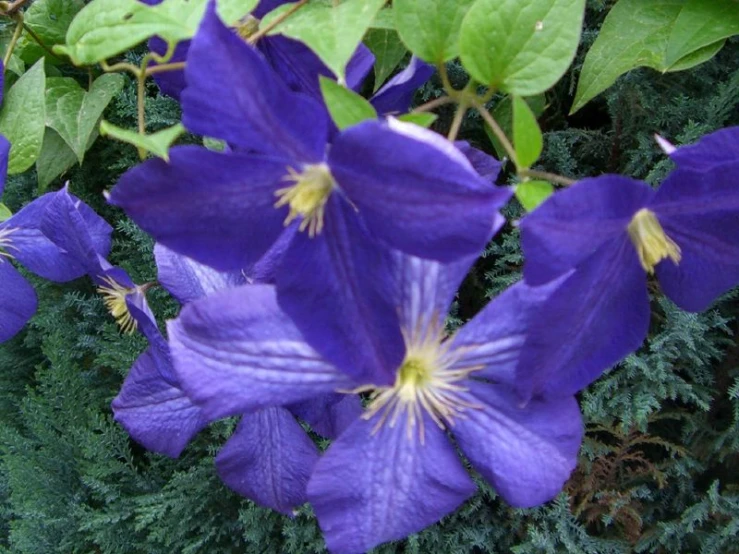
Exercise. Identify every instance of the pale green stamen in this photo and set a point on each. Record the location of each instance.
(114, 297)
(307, 197)
(650, 240)
(247, 27)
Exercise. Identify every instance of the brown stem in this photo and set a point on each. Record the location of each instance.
(276, 21)
(162, 68)
(457, 121)
(545, 175)
(498, 132)
(433, 104)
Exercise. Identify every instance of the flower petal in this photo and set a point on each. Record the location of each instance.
(415, 190)
(710, 151)
(269, 460)
(596, 317)
(17, 301)
(155, 411)
(4, 150)
(338, 289)
(486, 166)
(396, 95)
(329, 414)
(215, 208)
(525, 453)
(573, 223)
(236, 351)
(372, 487)
(232, 94)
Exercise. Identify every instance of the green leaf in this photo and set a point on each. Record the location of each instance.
(520, 47)
(55, 158)
(106, 28)
(22, 119)
(217, 145)
(423, 119)
(384, 20)
(527, 139)
(332, 32)
(503, 114)
(666, 35)
(701, 24)
(157, 143)
(346, 107)
(388, 50)
(532, 193)
(5, 213)
(49, 19)
(15, 64)
(430, 28)
(73, 113)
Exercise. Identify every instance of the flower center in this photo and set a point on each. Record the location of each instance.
(247, 26)
(429, 381)
(6, 244)
(650, 240)
(114, 297)
(307, 196)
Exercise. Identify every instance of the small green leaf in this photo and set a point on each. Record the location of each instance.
(532, 193)
(157, 143)
(430, 28)
(423, 119)
(346, 107)
(106, 28)
(5, 213)
(389, 51)
(49, 19)
(503, 114)
(332, 32)
(527, 139)
(73, 112)
(55, 158)
(520, 47)
(22, 119)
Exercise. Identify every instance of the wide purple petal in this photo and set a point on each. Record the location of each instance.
(188, 280)
(396, 95)
(236, 351)
(712, 150)
(215, 208)
(415, 190)
(572, 224)
(4, 149)
(526, 453)
(486, 165)
(329, 414)
(596, 317)
(17, 301)
(269, 460)
(699, 210)
(295, 63)
(373, 486)
(234, 95)
(266, 6)
(492, 340)
(337, 287)
(359, 66)
(154, 410)
(265, 269)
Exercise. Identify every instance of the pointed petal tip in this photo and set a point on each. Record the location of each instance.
(666, 146)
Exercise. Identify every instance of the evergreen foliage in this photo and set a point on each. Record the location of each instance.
(658, 471)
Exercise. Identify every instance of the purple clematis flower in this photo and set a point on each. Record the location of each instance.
(393, 471)
(613, 232)
(22, 238)
(379, 185)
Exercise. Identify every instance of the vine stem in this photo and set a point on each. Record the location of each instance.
(13, 41)
(546, 176)
(498, 132)
(276, 21)
(164, 67)
(457, 121)
(433, 104)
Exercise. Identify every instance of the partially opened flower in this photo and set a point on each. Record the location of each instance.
(393, 471)
(378, 185)
(614, 232)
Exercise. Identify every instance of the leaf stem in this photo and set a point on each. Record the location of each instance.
(40, 42)
(433, 104)
(164, 67)
(276, 21)
(546, 176)
(457, 121)
(498, 132)
(13, 42)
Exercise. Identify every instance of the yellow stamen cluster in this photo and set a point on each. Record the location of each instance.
(247, 26)
(114, 297)
(429, 381)
(650, 240)
(307, 196)
(6, 244)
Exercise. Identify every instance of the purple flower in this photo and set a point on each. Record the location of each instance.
(610, 233)
(23, 238)
(378, 185)
(393, 471)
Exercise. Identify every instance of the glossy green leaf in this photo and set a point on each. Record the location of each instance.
(5, 212)
(527, 138)
(73, 112)
(55, 158)
(532, 193)
(503, 114)
(520, 47)
(332, 32)
(106, 28)
(23, 117)
(423, 119)
(49, 19)
(389, 51)
(666, 35)
(157, 143)
(346, 107)
(430, 28)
